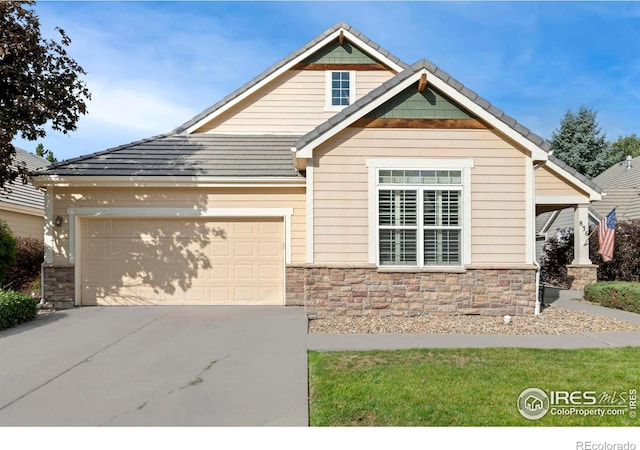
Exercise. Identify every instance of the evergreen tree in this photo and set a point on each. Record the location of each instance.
(580, 143)
(46, 154)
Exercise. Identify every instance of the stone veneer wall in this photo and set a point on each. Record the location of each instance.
(366, 290)
(580, 276)
(59, 285)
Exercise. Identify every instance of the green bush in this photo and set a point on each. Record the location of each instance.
(7, 249)
(615, 294)
(16, 308)
(625, 265)
(558, 253)
(29, 257)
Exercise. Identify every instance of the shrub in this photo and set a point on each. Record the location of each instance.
(615, 294)
(7, 249)
(558, 252)
(29, 257)
(625, 265)
(16, 308)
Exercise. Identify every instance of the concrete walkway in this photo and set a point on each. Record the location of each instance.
(329, 342)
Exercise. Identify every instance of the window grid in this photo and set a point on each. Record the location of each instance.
(400, 208)
(340, 88)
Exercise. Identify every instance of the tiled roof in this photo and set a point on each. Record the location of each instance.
(284, 61)
(618, 176)
(20, 194)
(212, 155)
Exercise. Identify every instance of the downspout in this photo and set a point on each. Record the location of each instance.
(538, 306)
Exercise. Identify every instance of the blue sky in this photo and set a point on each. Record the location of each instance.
(153, 65)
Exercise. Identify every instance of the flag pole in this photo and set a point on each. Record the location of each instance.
(594, 230)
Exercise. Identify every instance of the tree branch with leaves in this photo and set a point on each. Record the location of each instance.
(39, 83)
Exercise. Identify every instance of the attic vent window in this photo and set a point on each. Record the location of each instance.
(340, 89)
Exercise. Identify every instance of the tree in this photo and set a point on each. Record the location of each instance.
(39, 83)
(623, 146)
(580, 143)
(46, 154)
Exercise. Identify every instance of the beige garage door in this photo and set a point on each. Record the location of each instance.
(176, 261)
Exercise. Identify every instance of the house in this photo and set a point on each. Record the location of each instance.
(22, 205)
(341, 179)
(621, 190)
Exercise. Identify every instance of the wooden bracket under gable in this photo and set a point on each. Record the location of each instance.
(422, 83)
(341, 38)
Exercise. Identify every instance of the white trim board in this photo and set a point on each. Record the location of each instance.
(18, 209)
(560, 200)
(166, 181)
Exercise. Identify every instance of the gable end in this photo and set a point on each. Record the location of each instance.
(345, 56)
(413, 108)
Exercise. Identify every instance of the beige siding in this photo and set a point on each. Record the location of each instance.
(24, 225)
(548, 183)
(294, 103)
(341, 189)
(182, 198)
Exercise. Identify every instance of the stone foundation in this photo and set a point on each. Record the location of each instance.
(581, 275)
(59, 285)
(365, 290)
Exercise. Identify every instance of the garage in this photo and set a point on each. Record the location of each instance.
(181, 261)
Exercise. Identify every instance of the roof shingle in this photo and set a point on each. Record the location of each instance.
(211, 155)
(20, 194)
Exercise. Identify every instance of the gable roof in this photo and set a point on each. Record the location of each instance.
(451, 87)
(18, 193)
(179, 155)
(404, 79)
(353, 35)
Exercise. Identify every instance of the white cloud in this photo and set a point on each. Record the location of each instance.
(134, 106)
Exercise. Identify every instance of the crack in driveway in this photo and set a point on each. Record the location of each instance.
(194, 382)
(82, 361)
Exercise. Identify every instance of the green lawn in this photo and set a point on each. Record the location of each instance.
(461, 387)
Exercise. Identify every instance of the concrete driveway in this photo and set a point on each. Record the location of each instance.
(165, 366)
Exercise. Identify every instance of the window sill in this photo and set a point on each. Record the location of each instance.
(440, 269)
(335, 108)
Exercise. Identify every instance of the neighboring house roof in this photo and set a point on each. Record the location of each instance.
(288, 62)
(618, 176)
(177, 155)
(621, 187)
(18, 193)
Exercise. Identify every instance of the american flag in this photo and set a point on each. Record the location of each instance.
(606, 235)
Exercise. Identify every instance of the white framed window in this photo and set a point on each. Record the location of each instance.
(420, 217)
(340, 89)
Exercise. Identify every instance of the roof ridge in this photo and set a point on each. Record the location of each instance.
(279, 64)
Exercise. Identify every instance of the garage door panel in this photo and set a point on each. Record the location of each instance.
(217, 249)
(170, 261)
(244, 249)
(269, 249)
